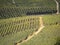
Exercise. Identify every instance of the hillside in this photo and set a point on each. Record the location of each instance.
(17, 29)
(29, 22)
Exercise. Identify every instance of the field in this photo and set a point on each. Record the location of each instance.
(21, 8)
(29, 22)
(9, 12)
(14, 30)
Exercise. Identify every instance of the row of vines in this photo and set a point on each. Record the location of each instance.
(16, 11)
(21, 24)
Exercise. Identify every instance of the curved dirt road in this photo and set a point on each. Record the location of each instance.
(35, 33)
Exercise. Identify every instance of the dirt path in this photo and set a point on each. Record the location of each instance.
(35, 33)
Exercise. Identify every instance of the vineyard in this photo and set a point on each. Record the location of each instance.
(21, 8)
(15, 30)
(20, 27)
(17, 12)
(22, 22)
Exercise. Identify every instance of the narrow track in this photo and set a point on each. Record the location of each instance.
(35, 33)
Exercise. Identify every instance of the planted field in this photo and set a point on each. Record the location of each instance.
(26, 7)
(9, 12)
(15, 29)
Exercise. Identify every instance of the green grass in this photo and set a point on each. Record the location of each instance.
(51, 19)
(50, 33)
(48, 36)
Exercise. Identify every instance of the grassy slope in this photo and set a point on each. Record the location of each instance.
(49, 35)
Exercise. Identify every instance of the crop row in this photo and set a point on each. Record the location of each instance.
(15, 12)
(16, 26)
